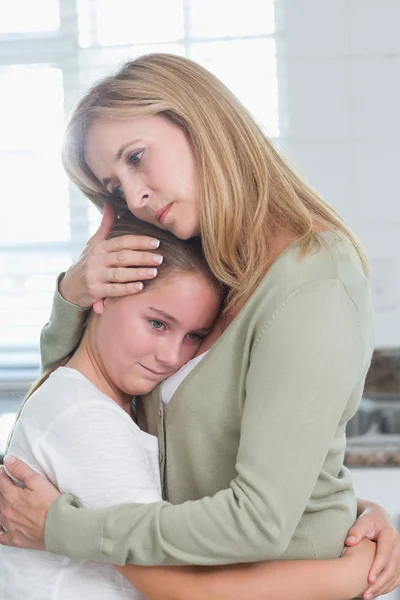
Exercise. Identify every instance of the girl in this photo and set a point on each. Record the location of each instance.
(252, 440)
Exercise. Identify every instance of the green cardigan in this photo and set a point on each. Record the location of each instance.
(253, 440)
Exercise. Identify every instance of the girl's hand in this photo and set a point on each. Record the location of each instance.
(375, 524)
(23, 511)
(103, 270)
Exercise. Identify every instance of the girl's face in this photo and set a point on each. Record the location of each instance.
(141, 340)
(150, 162)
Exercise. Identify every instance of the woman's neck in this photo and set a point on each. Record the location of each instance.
(282, 240)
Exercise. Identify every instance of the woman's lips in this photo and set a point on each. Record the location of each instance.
(162, 213)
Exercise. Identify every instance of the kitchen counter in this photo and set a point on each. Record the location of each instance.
(373, 451)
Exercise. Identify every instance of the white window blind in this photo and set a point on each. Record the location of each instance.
(50, 52)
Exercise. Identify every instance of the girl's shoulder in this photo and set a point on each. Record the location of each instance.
(64, 391)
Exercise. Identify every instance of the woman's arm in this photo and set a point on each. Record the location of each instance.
(89, 447)
(337, 579)
(68, 451)
(99, 272)
(23, 512)
(61, 334)
(284, 442)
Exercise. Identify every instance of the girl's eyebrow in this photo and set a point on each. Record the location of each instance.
(165, 315)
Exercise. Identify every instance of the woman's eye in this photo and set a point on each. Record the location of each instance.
(158, 325)
(134, 159)
(118, 191)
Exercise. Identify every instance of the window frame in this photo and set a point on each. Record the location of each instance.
(61, 49)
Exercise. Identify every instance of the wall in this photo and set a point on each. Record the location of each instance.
(339, 70)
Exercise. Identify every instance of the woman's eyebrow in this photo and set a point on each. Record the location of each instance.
(124, 147)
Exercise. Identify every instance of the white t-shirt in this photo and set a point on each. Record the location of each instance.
(86, 445)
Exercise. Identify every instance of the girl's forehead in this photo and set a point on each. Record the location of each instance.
(176, 286)
(187, 299)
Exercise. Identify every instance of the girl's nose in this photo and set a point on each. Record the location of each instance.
(169, 352)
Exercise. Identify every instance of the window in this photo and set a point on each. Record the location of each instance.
(25, 16)
(50, 52)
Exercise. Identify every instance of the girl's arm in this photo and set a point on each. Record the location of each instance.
(374, 522)
(336, 579)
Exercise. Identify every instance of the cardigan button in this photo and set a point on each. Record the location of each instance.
(160, 457)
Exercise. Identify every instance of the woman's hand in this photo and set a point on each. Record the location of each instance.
(103, 270)
(375, 524)
(23, 511)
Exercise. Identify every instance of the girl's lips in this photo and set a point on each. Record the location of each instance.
(151, 371)
(162, 214)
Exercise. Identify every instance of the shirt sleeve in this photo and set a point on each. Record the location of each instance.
(95, 453)
(61, 334)
(305, 363)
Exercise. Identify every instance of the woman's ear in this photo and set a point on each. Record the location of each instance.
(98, 307)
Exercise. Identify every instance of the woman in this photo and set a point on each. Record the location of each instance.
(252, 451)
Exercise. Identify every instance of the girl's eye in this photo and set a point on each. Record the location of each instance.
(195, 337)
(135, 158)
(157, 325)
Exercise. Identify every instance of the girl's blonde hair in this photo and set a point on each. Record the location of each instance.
(246, 190)
(179, 256)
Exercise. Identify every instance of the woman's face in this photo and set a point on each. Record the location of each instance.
(150, 162)
(141, 340)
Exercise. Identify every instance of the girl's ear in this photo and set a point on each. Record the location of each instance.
(98, 307)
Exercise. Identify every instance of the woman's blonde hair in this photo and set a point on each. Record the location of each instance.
(179, 256)
(246, 190)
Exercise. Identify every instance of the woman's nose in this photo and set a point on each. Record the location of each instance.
(137, 196)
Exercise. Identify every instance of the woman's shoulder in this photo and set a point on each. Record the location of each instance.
(334, 259)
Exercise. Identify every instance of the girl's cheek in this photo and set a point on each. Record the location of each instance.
(189, 353)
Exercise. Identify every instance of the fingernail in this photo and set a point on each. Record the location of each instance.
(138, 286)
(373, 578)
(350, 539)
(9, 459)
(157, 258)
(151, 272)
(369, 597)
(154, 243)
